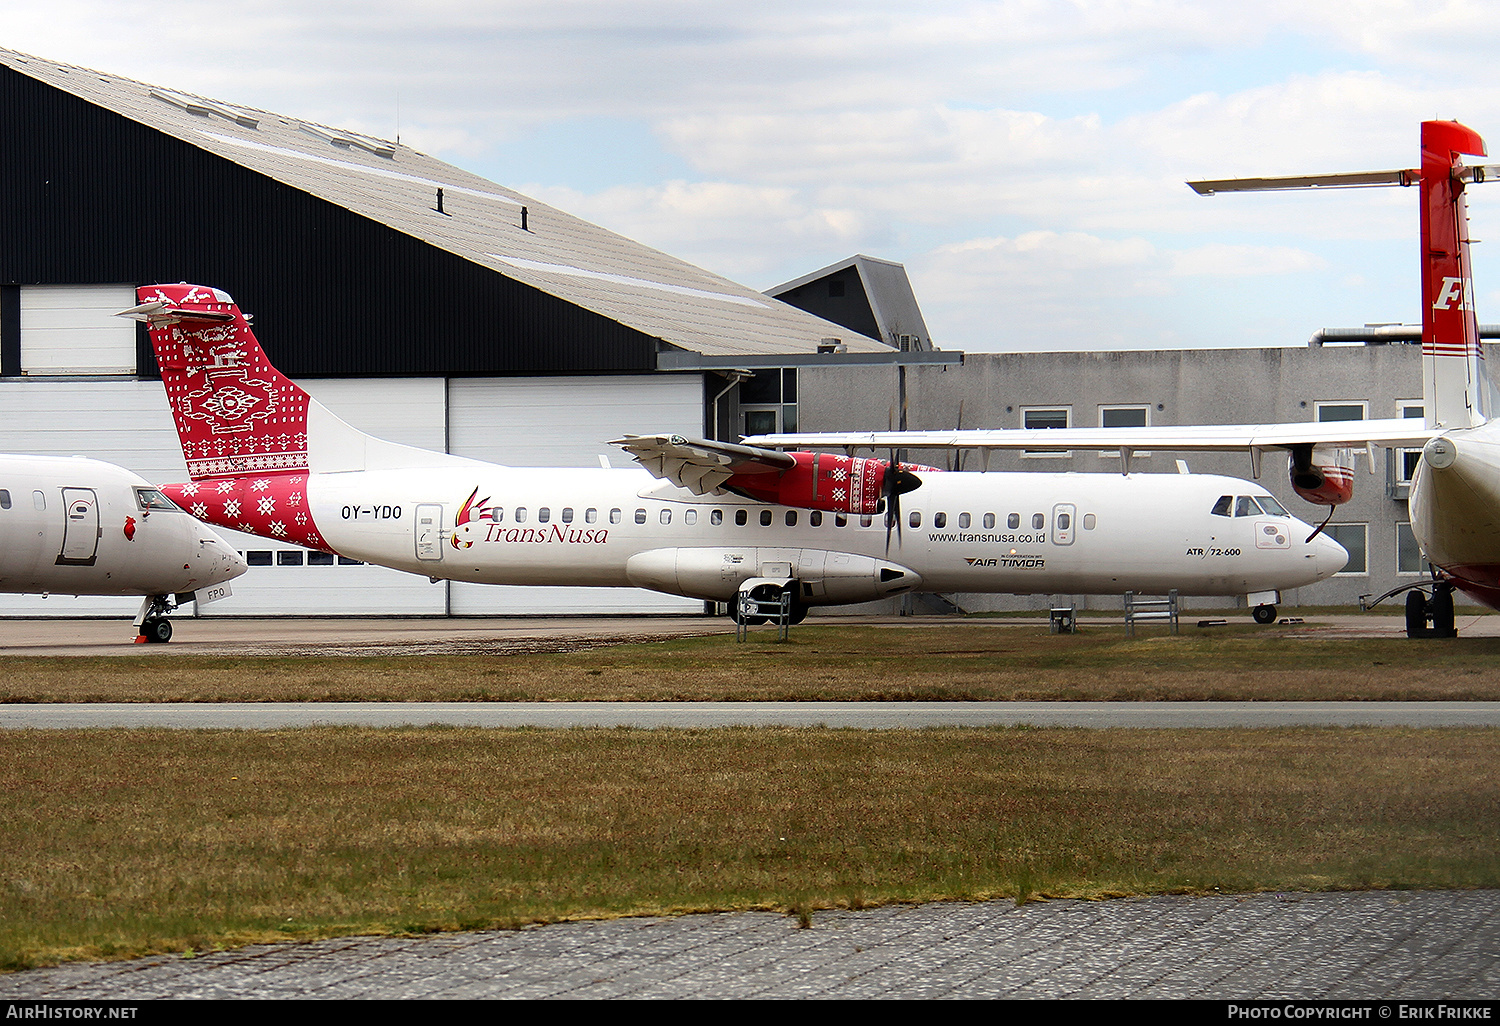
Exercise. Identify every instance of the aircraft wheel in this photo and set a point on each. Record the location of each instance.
(1442, 613)
(157, 632)
(1416, 614)
(1265, 614)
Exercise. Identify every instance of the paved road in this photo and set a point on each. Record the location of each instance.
(1363, 946)
(865, 715)
(501, 635)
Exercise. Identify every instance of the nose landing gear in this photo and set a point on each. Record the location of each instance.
(151, 623)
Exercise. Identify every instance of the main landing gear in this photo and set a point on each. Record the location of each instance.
(151, 623)
(1264, 613)
(1427, 615)
(1431, 617)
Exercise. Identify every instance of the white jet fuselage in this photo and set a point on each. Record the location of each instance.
(74, 526)
(974, 532)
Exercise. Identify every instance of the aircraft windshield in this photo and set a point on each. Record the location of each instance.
(149, 499)
(1271, 506)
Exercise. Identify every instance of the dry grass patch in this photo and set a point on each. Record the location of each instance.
(120, 842)
(967, 661)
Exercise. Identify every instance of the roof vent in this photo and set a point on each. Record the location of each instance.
(831, 345)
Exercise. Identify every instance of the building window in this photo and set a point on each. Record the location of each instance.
(768, 402)
(1354, 538)
(320, 559)
(1124, 417)
(258, 557)
(1043, 418)
(289, 557)
(1409, 559)
(1329, 413)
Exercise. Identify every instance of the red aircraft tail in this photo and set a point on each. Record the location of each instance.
(235, 413)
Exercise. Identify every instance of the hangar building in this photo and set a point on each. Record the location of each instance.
(430, 306)
(419, 301)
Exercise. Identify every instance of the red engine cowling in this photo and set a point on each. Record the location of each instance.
(1321, 479)
(826, 481)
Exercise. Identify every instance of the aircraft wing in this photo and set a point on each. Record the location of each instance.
(1392, 433)
(701, 466)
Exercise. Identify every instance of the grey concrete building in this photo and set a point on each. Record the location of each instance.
(1121, 389)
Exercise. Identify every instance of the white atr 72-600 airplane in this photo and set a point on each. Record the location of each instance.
(73, 526)
(710, 520)
(1455, 490)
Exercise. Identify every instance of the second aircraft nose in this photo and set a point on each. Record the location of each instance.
(1328, 555)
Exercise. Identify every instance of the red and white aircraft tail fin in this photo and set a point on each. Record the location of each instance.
(1455, 382)
(236, 414)
(1456, 387)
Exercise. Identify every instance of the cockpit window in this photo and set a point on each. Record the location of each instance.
(1244, 506)
(1223, 507)
(149, 499)
(1271, 506)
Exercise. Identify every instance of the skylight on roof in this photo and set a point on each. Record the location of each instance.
(205, 108)
(380, 148)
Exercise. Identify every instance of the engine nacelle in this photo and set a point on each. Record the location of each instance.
(826, 481)
(1319, 478)
(823, 578)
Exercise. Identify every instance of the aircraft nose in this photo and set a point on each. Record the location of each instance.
(1329, 556)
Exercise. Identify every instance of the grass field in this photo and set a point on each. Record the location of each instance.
(989, 660)
(122, 842)
(117, 842)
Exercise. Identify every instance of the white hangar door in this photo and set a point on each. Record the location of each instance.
(566, 422)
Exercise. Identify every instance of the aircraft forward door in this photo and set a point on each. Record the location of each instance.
(429, 527)
(1064, 523)
(80, 527)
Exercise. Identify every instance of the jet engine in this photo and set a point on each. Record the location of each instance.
(826, 481)
(1320, 478)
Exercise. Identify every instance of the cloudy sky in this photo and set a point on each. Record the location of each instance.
(1024, 158)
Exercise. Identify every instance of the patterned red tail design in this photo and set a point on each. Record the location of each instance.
(236, 415)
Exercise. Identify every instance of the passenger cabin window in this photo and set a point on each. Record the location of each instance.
(498, 514)
(520, 514)
(915, 519)
(815, 518)
(690, 516)
(716, 517)
(791, 518)
(1038, 521)
(39, 500)
(839, 520)
(1088, 521)
(4, 498)
(666, 517)
(640, 516)
(1013, 521)
(963, 521)
(544, 514)
(989, 520)
(939, 520)
(765, 518)
(1224, 506)
(614, 516)
(591, 515)
(567, 514)
(741, 518)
